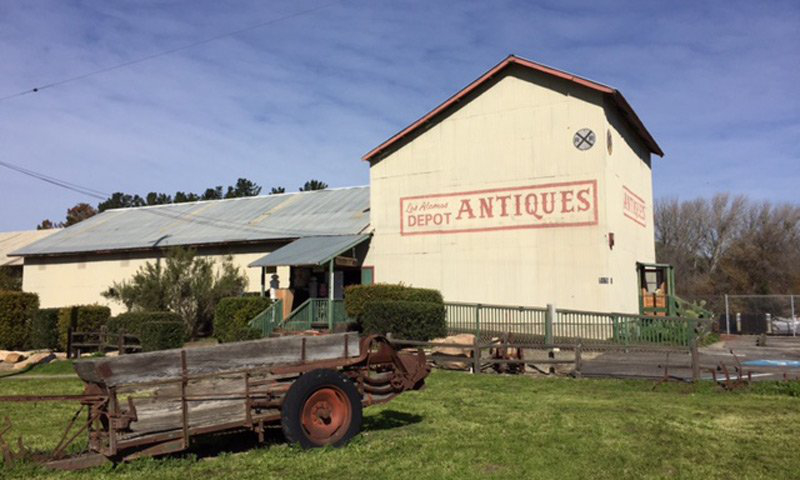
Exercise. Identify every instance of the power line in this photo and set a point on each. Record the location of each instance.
(189, 216)
(167, 52)
(58, 182)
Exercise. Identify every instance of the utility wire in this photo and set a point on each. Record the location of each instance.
(167, 52)
(189, 216)
(55, 181)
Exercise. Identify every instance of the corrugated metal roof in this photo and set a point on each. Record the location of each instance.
(10, 241)
(341, 211)
(309, 251)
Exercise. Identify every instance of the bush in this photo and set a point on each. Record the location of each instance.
(232, 317)
(82, 318)
(407, 320)
(16, 315)
(356, 297)
(44, 329)
(162, 335)
(132, 322)
(185, 284)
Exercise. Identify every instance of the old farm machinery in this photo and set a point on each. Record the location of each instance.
(155, 403)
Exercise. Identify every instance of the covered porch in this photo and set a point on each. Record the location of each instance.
(320, 268)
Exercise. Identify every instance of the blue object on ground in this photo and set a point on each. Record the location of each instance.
(772, 363)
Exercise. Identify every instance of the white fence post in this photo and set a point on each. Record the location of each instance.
(727, 316)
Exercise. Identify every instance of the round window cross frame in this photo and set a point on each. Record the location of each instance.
(584, 139)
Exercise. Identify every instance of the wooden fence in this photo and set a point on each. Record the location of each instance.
(102, 341)
(483, 356)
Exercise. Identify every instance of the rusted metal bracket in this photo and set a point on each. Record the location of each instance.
(9, 455)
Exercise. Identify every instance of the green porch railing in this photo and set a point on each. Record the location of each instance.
(313, 314)
(487, 321)
(269, 319)
(537, 325)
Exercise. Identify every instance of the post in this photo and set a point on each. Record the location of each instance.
(121, 341)
(477, 321)
(768, 319)
(578, 360)
(727, 316)
(330, 295)
(548, 324)
(184, 404)
(739, 322)
(695, 361)
(69, 342)
(263, 281)
(794, 318)
(476, 357)
(103, 339)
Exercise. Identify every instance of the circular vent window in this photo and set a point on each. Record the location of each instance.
(584, 139)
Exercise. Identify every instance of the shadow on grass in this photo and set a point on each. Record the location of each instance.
(389, 419)
(241, 441)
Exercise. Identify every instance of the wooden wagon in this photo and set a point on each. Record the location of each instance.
(155, 403)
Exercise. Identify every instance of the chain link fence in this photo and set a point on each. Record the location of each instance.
(753, 314)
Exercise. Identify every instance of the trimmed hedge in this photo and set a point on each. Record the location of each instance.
(406, 320)
(16, 315)
(44, 329)
(162, 335)
(132, 322)
(356, 297)
(82, 318)
(232, 317)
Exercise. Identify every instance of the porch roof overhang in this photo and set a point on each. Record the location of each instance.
(307, 251)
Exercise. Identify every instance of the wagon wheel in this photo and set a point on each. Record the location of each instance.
(321, 408)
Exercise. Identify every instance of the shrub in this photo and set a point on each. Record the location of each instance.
(356, 297)
(132, 322)
(10, 279)
(44, 329)
(162, 335)
(16, 315)
(232, 317)
(82, 318)
(407, 320)
(186, 284)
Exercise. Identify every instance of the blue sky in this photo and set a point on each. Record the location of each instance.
(715, 83)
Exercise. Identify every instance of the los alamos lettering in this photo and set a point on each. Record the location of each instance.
(535, 206)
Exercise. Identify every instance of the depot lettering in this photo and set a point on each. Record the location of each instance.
(533, 206)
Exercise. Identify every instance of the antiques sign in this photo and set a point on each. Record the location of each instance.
(633, 206)
(569, 204)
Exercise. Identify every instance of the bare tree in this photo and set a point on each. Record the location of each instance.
(729, 244)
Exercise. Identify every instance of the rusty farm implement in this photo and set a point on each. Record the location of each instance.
(155, 403)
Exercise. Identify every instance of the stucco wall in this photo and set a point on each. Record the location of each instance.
(77, 280)
(516, 133)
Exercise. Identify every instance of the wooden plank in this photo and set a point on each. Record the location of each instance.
(166, 364)
(211, 401)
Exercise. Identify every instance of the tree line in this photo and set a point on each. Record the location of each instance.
(243, 188)
(729, 244)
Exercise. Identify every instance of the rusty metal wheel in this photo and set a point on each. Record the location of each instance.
(321, 408)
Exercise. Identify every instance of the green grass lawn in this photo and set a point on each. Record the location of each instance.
(464, 426)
